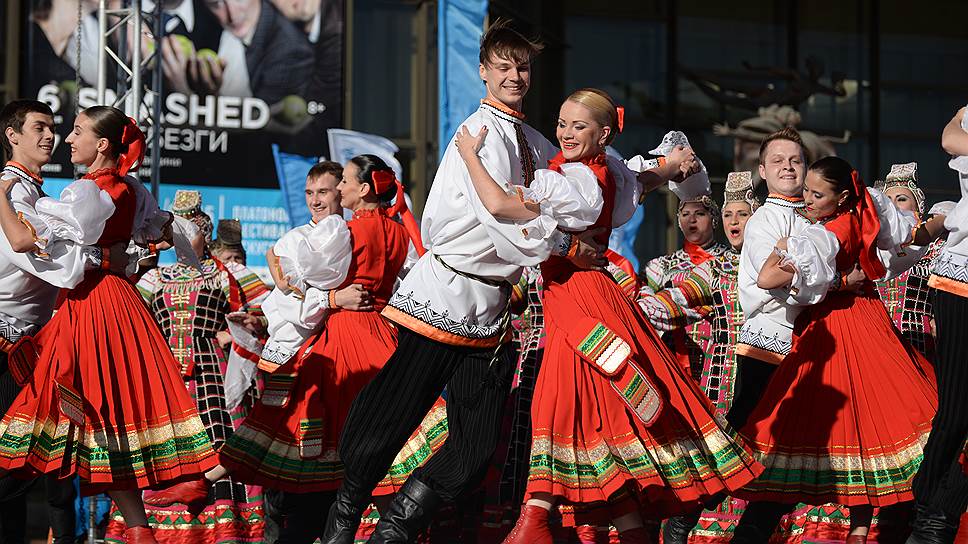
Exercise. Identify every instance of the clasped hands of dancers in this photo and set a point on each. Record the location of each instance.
(372, 319)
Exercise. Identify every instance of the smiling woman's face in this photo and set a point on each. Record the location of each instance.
(83, 141)
(579, 136)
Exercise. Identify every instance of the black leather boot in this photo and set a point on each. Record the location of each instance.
(749, 535)
(344, 516)
(759, 521)
(410, 511)
(933, 526)
(676, 530)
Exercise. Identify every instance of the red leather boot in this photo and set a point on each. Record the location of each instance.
(531, 528)
(639, 535)
(188, 493)
(139, 535)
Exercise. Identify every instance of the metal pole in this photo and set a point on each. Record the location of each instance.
(102, 40)
(137, 90)
(156, 87)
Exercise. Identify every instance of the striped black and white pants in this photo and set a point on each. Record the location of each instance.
(390, 407)
(940, 482)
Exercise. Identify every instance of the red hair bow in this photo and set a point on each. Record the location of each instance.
(620, 117)
(383, 180)
(134, 138)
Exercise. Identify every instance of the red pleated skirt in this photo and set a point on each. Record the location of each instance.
(846, 415)
(289, 441)
(588, 444)
(106, 398)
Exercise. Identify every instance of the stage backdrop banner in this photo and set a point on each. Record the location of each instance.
(224, 104)
(460, 24)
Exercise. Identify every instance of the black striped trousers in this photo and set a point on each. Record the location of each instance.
(390, 407)
(940, 482)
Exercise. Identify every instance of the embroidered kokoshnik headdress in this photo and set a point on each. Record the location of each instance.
(905, 176)
(739, 188)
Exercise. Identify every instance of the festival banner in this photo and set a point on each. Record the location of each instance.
(239, 77)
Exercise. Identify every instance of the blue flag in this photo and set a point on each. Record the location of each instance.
(291, 171)
(460, 24)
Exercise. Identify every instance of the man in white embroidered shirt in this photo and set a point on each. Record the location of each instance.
(452, 315)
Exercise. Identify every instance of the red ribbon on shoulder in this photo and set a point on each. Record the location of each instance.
(870, 226)
(383, 180)
(135, 140)
(235, 289)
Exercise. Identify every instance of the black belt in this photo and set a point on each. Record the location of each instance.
(468, 275)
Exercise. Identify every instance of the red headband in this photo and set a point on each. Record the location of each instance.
(135, 140)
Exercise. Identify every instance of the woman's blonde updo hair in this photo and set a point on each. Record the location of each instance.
(601, 106)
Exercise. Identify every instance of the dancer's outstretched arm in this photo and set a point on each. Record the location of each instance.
(679, 165)
(954, 138)
(930, 230)
(495, 199)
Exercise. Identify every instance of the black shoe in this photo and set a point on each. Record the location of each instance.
(676, 530)
(409, 512)
(932, 526)
(344, 518)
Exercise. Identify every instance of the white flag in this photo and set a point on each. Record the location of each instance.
(346, 144)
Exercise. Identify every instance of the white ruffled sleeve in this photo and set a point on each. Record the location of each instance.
(571, 200)
(319, 258)
(241, 365)
(149, 220)
(894, 236)
(899, 260)
(291, 320)
(813, 253)
(628, 190)
(897, 225)
(79, 215)
(956, 222)
(60, 264)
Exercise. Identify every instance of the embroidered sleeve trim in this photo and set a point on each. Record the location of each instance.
(38, 241)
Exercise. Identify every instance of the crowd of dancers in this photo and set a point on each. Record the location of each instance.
(811, 367)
